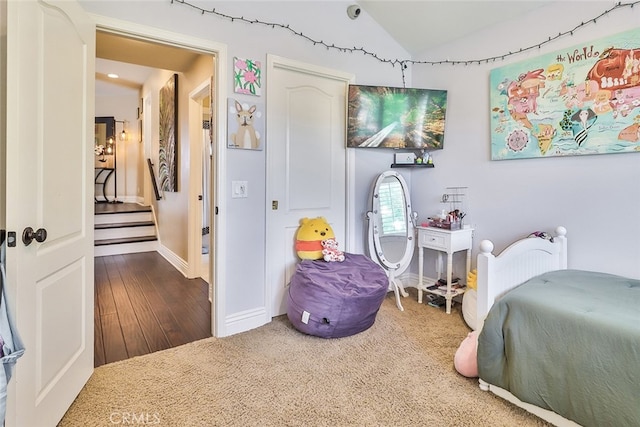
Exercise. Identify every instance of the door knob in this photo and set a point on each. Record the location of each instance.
(40, 235)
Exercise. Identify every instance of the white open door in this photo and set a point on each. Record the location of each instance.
(49, 180)
(306, 163)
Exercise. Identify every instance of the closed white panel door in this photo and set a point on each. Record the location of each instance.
(306, 162)
(49, 166)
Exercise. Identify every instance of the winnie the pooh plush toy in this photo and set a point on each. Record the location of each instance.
(311, 233)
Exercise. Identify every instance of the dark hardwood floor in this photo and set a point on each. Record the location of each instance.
(143, 304)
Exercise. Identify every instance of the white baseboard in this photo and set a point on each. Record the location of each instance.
(409, 280)
(175, 260)
(245, 320)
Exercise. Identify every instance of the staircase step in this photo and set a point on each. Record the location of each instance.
(103, 242)
(124, 232)
(116, 208)
(121, 228)
(125, 248)
(107, 225)
(116, 218)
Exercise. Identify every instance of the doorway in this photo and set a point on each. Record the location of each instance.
(179, 44)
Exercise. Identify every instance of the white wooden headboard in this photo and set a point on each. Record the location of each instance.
(519, 262)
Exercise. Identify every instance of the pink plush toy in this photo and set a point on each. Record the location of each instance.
(466, 357)
(330, 251)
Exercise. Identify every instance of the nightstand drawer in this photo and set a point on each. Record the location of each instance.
(433, 240)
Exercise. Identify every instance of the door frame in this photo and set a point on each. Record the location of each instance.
(195, 178)
(274, 61)
(219, 51)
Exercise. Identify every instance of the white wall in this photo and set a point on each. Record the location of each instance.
(597, 198)
(508, 199)
(172, 209)
(321, 20)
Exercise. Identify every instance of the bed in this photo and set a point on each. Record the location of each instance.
(563, 344)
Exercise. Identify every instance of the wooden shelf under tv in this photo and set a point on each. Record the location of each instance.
(412, 165)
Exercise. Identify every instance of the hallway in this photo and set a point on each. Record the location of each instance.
(143, 304)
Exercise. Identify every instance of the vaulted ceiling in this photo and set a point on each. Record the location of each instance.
(421, 25)
(416, 25)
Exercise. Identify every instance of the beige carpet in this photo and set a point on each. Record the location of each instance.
(398, 373)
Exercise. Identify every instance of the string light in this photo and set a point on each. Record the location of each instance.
(403, 63)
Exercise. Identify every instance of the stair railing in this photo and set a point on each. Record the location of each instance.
(153, 180)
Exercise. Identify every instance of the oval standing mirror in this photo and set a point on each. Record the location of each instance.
(391, 229)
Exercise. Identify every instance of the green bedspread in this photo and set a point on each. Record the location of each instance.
(568, 341)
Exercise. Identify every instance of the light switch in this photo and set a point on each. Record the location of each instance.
(239, 189)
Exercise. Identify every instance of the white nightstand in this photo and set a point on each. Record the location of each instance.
(446, 241)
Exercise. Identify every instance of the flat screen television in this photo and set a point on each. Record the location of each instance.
(393, 117)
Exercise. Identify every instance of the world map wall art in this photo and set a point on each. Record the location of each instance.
(582, 100)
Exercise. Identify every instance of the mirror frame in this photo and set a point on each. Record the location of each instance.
(375, 249)
(110, 123)
(108, 143)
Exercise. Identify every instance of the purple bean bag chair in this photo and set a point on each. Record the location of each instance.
(336, 299)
